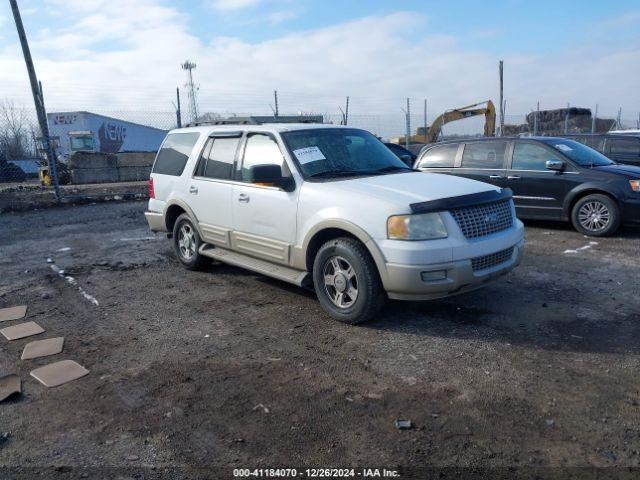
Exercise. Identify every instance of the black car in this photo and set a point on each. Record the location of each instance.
(402, 153)
(551, 178)
(621, 148)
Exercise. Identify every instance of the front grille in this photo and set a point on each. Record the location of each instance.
(491, 260)
(482, 220)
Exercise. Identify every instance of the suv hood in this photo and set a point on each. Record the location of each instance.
(414, 187)
(627, 170)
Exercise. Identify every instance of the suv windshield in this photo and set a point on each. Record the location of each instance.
(579, 153)
(341, 152)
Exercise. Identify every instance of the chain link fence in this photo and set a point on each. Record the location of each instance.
(110, 152)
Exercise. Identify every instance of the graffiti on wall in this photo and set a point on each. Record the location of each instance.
(65, 119)
(111, 137)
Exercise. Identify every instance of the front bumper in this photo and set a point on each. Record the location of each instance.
(405, 282)
(631, 211)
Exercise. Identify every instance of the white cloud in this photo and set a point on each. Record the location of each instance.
(281, 16)
(230, 5)
(126, 55)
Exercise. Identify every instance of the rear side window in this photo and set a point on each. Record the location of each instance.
(174, 153)
(484, 155)
(624, 146)
(217, 158)
(439, 157)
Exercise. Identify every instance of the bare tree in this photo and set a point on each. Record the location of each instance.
(17, 132)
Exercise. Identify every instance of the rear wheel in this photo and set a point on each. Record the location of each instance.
(596, 215)
(186, 243)
(346, 281)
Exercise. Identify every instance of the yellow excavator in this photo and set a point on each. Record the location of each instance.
(481, 108)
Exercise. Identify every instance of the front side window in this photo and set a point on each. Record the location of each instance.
(624, 146)
(218, 158)
(441, 157)
(174, 153)
(341, 152)
(529, 156)
(581, 154)
(484, 155)
(260, 150)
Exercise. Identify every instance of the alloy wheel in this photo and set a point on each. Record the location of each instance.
(594, 216)
(340, 282)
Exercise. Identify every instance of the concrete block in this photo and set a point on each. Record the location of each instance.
(134, 173)
(94, 175)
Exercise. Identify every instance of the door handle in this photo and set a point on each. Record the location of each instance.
(193, 190)
(495, 177)
(513, 177)
(243, 197)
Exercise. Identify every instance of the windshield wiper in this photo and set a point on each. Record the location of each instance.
(339, 173)
(391, 168)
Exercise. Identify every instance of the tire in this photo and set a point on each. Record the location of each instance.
(187, 254)
(355, 283)
(596, 215)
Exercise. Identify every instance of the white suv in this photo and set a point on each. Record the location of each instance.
(332, 208)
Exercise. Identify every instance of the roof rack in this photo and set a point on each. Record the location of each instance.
(260, 120)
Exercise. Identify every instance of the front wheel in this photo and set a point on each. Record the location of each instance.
(186, 243)
(596, 215)
(347, 282)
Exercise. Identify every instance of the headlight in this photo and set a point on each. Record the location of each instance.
(425, 226)
(635, 185)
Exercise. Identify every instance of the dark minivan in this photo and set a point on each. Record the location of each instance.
(551, 178)
(621, 148)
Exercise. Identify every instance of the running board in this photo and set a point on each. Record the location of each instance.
(286, 274)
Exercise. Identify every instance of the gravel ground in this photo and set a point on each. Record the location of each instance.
(194, 374)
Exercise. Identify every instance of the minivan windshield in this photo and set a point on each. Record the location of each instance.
(337, 152)
(579, 153)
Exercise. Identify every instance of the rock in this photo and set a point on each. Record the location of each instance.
(133, 458)
(550, 422)
(403, 424)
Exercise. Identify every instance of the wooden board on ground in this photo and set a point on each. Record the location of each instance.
(9, 386)
(59, 373)
(12, 313)
(21, 330)
(43, 348)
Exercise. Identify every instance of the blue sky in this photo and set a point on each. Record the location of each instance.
(125, 54)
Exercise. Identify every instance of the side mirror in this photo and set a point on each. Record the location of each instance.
(270, 175)
(556, 165)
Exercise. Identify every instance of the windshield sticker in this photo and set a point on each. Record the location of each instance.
(309, 154)
(563, 147)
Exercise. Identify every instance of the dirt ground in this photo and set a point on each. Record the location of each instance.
(194, 374)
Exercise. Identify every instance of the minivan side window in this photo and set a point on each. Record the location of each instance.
(261, 149)
(218, 157)
(174, 153)
(529, 156)
(443, 156)
(489, 155)
(624, 146)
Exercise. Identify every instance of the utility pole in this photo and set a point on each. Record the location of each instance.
(619, 119)
(594, 119)
(566, 120)
(408, 136)
(36, 90)
(425, 121)
(178, 112)
(501, 76)
(189, 66)
(535, 121)
(275, 99)
(345, 113)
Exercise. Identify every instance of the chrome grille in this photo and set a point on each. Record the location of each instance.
(491, 260)
(482, 220)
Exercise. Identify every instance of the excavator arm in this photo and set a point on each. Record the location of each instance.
(489, 112)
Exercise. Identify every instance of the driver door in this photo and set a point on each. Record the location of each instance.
(264, 217)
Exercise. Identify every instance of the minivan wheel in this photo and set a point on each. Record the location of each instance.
(186, 243)
(347, 282)
(596, 215)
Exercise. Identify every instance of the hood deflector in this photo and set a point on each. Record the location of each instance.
(462, 201)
